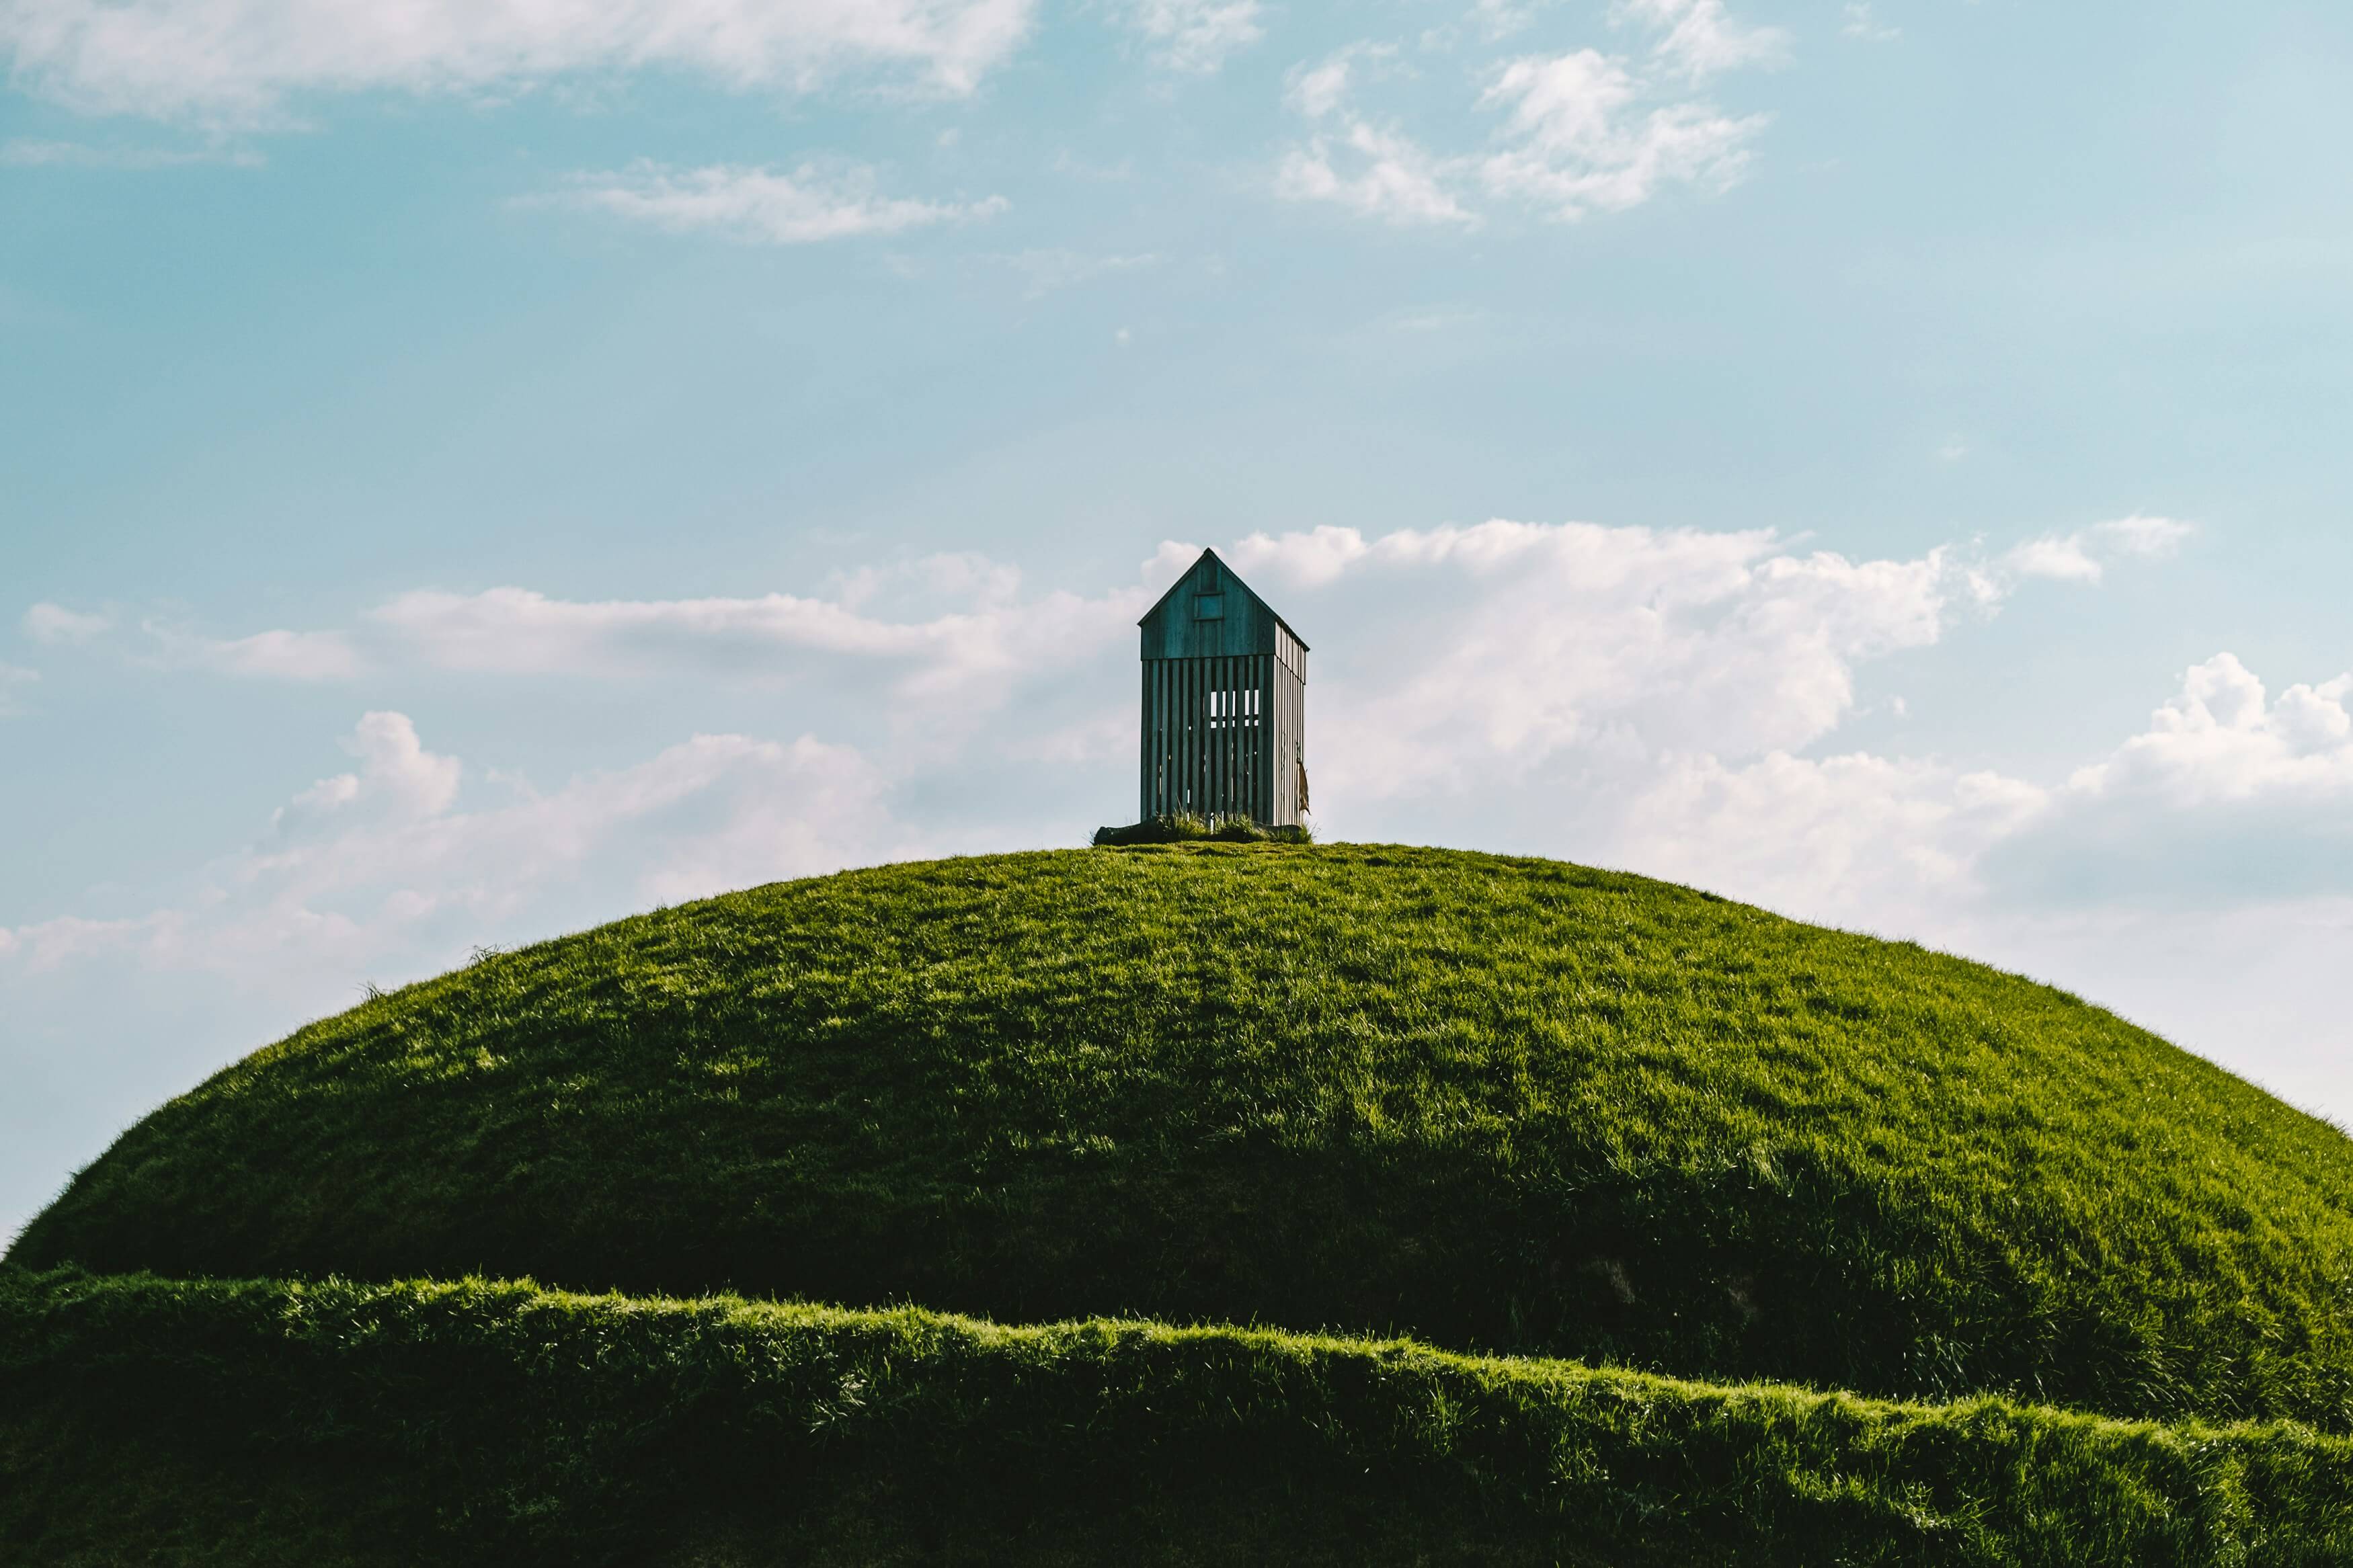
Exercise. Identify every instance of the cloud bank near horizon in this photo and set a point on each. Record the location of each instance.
(1667, 700)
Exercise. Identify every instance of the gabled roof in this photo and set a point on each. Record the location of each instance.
(1230, 575)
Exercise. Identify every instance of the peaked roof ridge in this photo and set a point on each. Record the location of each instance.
(1209, 552)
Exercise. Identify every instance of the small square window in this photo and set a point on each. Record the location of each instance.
(1209, 607)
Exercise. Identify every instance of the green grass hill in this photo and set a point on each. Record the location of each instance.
(1423, 1203)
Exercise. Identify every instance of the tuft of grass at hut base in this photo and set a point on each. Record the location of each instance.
(1188, 827)
(327, 1423)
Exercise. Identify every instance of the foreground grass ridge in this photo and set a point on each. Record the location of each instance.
(561, 1426)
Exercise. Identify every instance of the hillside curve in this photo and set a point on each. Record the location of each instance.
(1501, 1105)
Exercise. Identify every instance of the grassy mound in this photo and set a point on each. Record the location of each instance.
(228, 1423)
(1501, 1105)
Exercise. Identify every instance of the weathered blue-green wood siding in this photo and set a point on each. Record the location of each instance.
(1224, 702)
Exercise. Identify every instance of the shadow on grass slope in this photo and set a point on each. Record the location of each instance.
(145, 1419)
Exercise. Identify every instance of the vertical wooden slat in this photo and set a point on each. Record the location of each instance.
(1183, 701)
(1250, 790)
(1265, 774)
(1225, 740)
(1192, 736)
(1168, 737)
(1218, 737)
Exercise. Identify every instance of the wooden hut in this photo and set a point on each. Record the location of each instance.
(1225, 703)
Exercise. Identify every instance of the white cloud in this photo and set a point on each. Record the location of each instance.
(2065, 559)
(1540, 642)
(1373, 173)
(286, 655)
(1554, 640)
(1859, 23)
(381, 865)
(978, 633)
(2222, 740)
(241, 61)
(2082, 556)
(2151, 537)
(14, 679)
(1658, 699)
(1578, 142)
(1196, 35)
(25, 153)
(2229, 795)
(806, 205)
(1494, 19)
(1854, 838)
(1700, 39)
(277, 654)
(54, 625)
(1325, 88)
(395, 770)
(1582, 133)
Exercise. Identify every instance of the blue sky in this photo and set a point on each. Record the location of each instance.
(467, 472)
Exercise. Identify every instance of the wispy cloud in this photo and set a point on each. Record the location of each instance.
(243, 61)
(278, 654)
(1700, 38)
(1579, 139)
(1374, 171)
(14, 679)
(980, 630)
(1048, 272)
(805, 205)
(55, 625)
(1859, 22)
(1582, 133)
(2082, 556)
(25, 152)
(272, 655)
(1196, 35)
(1324, 88)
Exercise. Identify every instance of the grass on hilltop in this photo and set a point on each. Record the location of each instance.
(255, 1423)
(1501, 1105)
